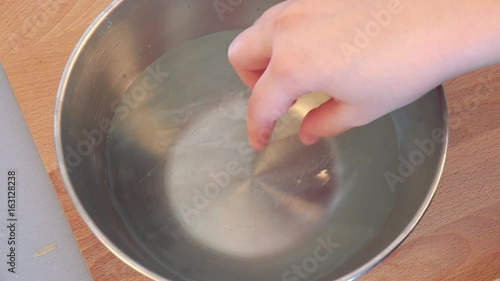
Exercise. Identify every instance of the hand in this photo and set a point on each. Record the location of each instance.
(371, 57)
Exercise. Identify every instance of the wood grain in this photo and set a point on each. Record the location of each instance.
(458, 238)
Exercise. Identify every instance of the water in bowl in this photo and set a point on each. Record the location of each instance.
(190, 189)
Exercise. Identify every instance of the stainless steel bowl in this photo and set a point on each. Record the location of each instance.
(150, 140)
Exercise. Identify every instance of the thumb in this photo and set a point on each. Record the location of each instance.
(329, 119)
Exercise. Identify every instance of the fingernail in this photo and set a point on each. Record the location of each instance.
(309, 139)
(256, 145)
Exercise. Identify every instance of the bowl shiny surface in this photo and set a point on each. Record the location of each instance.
(151, 142)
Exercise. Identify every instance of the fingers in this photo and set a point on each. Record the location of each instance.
(272, 97)
(250, 53)
(330, 119)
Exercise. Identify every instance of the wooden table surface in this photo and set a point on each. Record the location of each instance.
(458, 238)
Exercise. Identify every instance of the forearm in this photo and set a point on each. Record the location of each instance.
(467, 34)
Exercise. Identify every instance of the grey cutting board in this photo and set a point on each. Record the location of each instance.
(45, 249)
